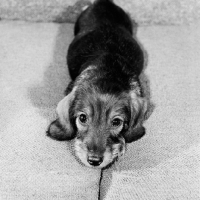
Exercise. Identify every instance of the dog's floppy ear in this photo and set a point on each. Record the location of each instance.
(61, 128)
(138, 110)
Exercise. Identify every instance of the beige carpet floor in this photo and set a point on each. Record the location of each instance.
(165, 164)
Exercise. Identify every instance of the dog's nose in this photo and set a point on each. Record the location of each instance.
(94, 160)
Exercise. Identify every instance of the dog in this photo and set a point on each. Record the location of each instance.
(104, 107)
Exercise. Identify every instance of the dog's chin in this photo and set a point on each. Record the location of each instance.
(110, 155)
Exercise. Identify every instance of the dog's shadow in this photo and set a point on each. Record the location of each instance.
(46, 96)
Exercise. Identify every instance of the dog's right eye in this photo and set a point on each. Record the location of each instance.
(117, 122)
(83, 118)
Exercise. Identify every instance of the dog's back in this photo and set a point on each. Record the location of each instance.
(103, 38)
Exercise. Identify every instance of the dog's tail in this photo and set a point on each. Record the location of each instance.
(108, 11)
(103, 1)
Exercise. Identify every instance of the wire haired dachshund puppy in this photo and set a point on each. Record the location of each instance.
(104, 107)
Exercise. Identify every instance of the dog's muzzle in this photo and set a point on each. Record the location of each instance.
(100, 158)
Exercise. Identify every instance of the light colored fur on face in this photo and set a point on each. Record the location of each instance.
(118, 150)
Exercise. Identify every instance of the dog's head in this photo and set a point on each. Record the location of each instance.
(101, 122)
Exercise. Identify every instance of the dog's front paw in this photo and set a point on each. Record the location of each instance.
(57, 132)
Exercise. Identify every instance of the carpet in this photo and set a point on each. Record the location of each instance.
(164, 164)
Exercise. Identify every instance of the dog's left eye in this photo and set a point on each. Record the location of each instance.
(116, 122)
(83, 118)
